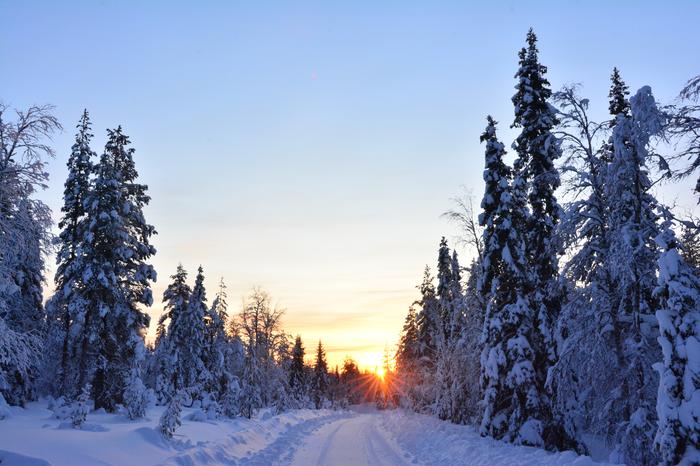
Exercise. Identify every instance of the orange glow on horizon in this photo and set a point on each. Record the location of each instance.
(380, 372)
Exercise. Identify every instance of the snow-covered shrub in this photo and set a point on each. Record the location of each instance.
(230, 404)
(170, 420)
(135, 396)
(61, 408)
(210, 407)
(81, 407)
(4, 408)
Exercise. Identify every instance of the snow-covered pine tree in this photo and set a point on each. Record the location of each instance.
(319, 383)
(497, 176)
(633, 267)
(427, 321)
(678, 404)
(297, 374)
(512, 396)
(450, 385)
(191, 339)
(116, 278)
(619, 103)
(216, 344)
(168, 347)
(407, 359)
(537, 149)
(66, 308)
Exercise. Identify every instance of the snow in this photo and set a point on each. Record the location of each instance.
(113, 439)
(440, 443)
(362, 435)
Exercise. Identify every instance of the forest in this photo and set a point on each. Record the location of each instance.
(576, 324)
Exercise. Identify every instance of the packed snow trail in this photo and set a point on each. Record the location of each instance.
(353, 441)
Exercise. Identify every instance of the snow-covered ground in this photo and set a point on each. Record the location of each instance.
(361, 436)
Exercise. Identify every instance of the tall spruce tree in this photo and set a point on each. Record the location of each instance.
(192, 338)
(297, 373)
(428, 323)
(512, 396)
(67, 305)
(537, 149)
(619, 103)
(320, 377)
(216, 344)
(116, 278)
(168, 378)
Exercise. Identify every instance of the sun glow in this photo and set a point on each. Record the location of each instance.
(380, 372)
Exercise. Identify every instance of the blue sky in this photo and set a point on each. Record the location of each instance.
(310, 147)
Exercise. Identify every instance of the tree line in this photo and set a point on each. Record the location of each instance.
(580, 319)
(86, 348)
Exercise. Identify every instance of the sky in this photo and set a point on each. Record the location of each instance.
(310, 148)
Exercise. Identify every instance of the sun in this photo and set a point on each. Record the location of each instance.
(380, 372)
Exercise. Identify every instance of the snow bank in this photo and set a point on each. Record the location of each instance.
(435, 442)
(32, 436)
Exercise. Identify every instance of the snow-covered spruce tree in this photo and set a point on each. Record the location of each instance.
(408, 359)
(427, 321)
(297, 374)
(678, 403)
(444, 369)
(24, 238)
(191, 341)
(512, 396)
(450, 385)
(170, 419)
(116, 277)
(319, 382)
(66, 308)
(633, 265)
(619, 103)
(216, 345)
(537, 149)
(169, 379)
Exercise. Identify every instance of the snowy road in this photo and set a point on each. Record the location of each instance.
(360, 436)
(357, 440)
